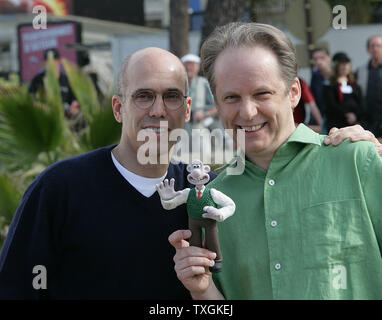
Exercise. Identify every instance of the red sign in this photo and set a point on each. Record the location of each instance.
(33, 43)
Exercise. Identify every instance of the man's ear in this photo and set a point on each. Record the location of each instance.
(295, 93)
(189, 167)
(188, 109)
(117, 108)
(206, 168)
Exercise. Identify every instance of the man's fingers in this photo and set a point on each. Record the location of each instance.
(172, 182)
(191, 272)
(379, 149)
(177, 238)
(336, 138)
(191, 251)
(193, 261)
(332, 130)
(330, 136)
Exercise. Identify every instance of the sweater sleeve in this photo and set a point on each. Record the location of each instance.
(32, 241)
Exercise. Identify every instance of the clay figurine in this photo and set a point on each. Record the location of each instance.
(205, 206)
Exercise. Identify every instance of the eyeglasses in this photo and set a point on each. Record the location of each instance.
(145, 99)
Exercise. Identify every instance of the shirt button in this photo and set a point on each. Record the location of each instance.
(271, 182)
(277, 266)
(274, 223)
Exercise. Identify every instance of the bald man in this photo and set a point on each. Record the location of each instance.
(92, 227)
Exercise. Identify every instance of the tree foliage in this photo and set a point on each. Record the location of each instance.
(34, 133)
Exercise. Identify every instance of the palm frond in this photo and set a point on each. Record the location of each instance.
(30, 126)
(84, 90)
(10, 197)
(102, 129)
(27, 127)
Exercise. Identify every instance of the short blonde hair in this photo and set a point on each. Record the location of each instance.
(242, 34)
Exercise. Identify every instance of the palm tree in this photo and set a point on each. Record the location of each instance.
(34, 133)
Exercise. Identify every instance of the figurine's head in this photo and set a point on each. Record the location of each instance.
(198, 173)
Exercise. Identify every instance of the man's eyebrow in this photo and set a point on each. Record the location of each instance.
(173, 89)
(166, 90)
(259, 89)
(142, 89)
(263, 88)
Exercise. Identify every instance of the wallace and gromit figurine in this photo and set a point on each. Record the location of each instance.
(205, 206)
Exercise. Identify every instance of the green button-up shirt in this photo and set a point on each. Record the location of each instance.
(308, 228)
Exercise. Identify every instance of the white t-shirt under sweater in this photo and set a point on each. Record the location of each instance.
(145, 186)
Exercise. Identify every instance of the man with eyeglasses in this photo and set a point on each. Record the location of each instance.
(93, 227)
(83, 219)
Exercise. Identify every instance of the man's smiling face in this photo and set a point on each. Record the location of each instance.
(251, 95)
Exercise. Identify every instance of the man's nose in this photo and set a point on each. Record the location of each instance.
(248, 109)
(158, 109)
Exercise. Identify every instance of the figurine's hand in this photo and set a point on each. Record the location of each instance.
(354, 133)
(166, 191)
(213, 213)
(192, 263)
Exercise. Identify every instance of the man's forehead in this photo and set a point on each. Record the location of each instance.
(156, 74)
(320, 53)
(376, 40)
(262, 64)
(155, 66)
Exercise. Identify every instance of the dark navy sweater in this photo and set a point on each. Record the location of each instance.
(95, 234)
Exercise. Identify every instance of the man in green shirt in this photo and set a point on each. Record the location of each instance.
(308, 220)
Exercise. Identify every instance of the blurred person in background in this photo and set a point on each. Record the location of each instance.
(369, 77)
(307, 109)
(322, 62)
(343, 98)
(204, 113)
(36, 86)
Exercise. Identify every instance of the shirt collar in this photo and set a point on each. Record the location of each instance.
(303, 134)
